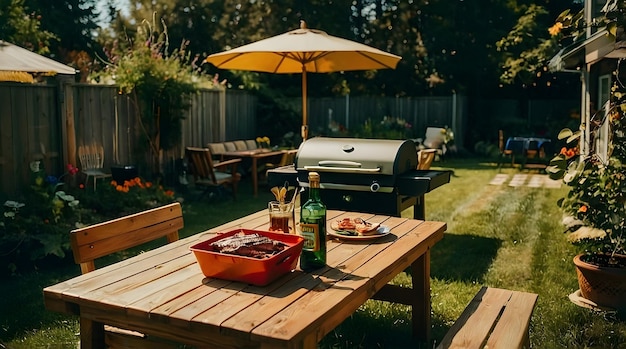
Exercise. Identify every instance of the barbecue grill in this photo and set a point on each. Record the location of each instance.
(365, 175)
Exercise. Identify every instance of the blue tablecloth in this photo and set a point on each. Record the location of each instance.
(521, 145)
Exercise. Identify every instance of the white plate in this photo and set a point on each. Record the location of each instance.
(381, 231)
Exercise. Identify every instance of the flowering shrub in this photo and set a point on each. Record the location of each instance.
(448, 136)
(36, 226)
(131, 196)
(594, 208)
(388, 128)
(263, 142)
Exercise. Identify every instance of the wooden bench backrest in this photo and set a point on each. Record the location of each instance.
(98, 240)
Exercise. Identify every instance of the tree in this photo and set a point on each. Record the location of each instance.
(72, 21)
(22, 28)
(158, 81)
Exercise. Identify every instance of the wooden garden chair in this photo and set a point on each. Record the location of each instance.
(98, 240)
(212, 175)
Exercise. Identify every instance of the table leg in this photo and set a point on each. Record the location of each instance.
(420, 270)
(91, 334)
(419, 211)
(255, 179)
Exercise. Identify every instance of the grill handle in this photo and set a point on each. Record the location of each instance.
(340, 163)
(341, 169)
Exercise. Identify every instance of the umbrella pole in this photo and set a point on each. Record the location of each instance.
(305, 127)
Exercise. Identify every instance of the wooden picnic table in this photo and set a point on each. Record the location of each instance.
(254, 155)
(163, 293)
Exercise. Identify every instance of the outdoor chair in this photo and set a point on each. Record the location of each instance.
(287, 158)
(435, 139)
(240, 145)
(217, 149)
(230, 146)
(425, 158)
(213, 176)
(102, 239)
(91, 159)
(504, 152)
(251, 144)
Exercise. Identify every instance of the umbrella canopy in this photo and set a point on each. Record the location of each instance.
(304, 50)
(16, 59)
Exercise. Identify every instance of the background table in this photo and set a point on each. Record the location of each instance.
(163, 292)
(254, 155)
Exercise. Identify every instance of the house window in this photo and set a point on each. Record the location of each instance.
(602, 138)
(593, 11)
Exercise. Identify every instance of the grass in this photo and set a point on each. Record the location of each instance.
(498, 236)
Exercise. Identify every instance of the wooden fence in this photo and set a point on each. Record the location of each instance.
(48, 122)
(420, 112)
(29, 131)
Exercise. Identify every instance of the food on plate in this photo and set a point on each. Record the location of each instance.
(355, 226)
(248, 245)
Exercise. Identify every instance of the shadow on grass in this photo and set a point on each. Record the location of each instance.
(22, 309)
(464, 258)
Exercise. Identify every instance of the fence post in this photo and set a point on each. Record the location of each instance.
(69, 146)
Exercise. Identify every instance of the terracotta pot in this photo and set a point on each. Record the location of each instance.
(605, 286)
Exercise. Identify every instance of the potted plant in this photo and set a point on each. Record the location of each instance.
(595, 207)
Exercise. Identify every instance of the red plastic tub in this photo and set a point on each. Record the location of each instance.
(250, 270)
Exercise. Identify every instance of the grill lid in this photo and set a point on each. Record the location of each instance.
(357, 156)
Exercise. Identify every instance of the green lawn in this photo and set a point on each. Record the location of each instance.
(499, 236)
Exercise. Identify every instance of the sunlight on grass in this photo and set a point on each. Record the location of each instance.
(498, 236)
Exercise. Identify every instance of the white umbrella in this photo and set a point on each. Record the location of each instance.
(304, 50)
(16, 59)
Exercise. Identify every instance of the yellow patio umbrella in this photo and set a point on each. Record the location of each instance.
(304, 51)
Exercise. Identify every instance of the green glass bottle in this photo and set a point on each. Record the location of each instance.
(313, 227)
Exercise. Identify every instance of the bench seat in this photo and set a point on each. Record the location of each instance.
(495, 318)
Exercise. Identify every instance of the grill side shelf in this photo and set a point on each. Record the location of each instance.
(419, 182)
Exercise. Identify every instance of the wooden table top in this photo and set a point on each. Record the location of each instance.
(255, 153)
(163, 292)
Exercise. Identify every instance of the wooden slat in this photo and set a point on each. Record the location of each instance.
(512, 328)
(105, 238)
(496, 318)
(345, 287)
(132, 222)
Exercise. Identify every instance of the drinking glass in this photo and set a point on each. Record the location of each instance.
(281, 216)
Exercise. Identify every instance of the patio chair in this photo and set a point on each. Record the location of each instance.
(210, 175)
(287, 158)
(102, 239)
(435, 139)
(504, 151)
(425, 158)
(91, 159)
(217, 149)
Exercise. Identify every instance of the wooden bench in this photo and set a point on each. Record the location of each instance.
(99, 240)
(494, 319)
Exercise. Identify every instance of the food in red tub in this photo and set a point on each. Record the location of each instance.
(261, 268)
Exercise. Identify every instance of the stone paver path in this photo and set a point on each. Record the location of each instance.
(528, 180)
